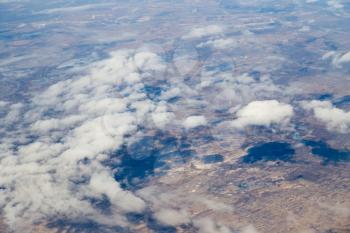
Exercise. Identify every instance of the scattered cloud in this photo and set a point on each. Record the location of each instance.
(335, 4)
(338, 59)
(344, 58)
(204, 31)
(226, 43)
(265, 113)
(249, 229)
(172, 217)
(335, 119)
(236, 89)
(161, 116)
(54, 147)
(311, 1)
(170, 207)
(52, 158)
(305, 29)
(215, 205)
(194, 121)
(74, 8)
(208, 225)
(339, 209)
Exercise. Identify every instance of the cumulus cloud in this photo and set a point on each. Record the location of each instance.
(3, 104)
(226, 43)
(236, 89)
(204, 31)
(335, 119)
(335, 4)
(332, 3)
(171, 94)
(161, 117)
(172, 217)
(249, 229)
(52, 158)
(103, 183)
(344, 58)
(208, 225)
(171, 207)
(338, 59)
(194, 121)
(265, 113)
(14, 113)
(215, 205)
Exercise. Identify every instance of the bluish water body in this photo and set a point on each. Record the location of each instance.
(344, 100)
(158, 228)
(103, 204)
(135, 163)
(174, 99)
(243, 185)
(331, 45)
(255, 74)
(304, 174)
(271, 151)
(221, 67)
(327, 153)
(153, 92)
(88, 226)
(214, 158)
(325, 96)
(270, 28)
(291, 18)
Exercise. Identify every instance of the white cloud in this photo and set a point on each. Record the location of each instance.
(74, 8)
(161, 117)
(265, 113)
(194, 121)
(204, 31)
(215, 205)
(305, 29)
(172, 217)
(226, 43)
(235, 90)
(51, 161)
(345, 58)
(3, 104)
(338, 59)
(171, 93)
(145, 60)
(329, 54)
(170, 207)
(249, 229)
(14, 113)
(103, 183)
(207, 225)
(335, 119)
(335, 4)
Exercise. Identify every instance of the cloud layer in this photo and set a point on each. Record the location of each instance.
(52, 160)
